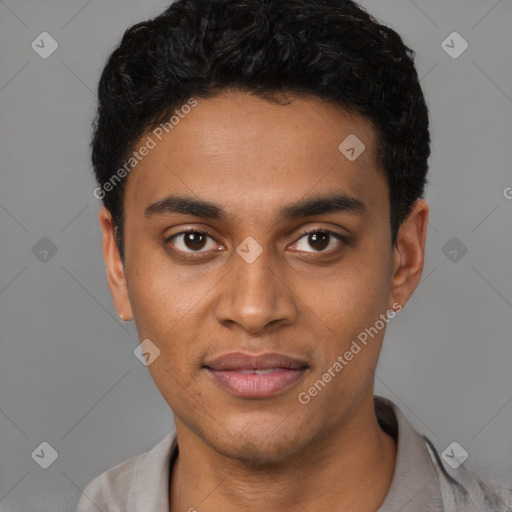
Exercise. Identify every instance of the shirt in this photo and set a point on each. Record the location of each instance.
(422, 480)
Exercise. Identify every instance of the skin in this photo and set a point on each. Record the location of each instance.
(300, 298)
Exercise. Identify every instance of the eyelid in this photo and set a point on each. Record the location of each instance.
(344, 240)
(202, 231)
(191, 230)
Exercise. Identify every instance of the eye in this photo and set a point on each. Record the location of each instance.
(192, 241)
(319, 240)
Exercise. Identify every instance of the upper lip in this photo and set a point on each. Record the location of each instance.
(247, 361)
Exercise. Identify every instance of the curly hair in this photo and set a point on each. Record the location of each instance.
(331, 49)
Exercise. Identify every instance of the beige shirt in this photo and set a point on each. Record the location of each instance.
(422, 482)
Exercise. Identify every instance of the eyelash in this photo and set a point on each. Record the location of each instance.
(190, 254)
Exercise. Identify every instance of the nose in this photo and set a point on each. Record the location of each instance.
(256, 295)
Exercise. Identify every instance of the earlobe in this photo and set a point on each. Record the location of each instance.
(409, 253)
(114, 266)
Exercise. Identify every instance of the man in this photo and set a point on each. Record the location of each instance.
(262, 165)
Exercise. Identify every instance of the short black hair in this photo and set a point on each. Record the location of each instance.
(331, 49)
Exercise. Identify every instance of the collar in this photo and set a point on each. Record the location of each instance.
(415, 485)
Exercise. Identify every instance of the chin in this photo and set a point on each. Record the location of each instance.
(257, 451)
(259, 442)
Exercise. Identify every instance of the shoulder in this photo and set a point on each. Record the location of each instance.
(110, 490)
(464, 491)
(113, 489)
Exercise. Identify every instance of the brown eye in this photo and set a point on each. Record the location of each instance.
(192, 241)
(319, 240)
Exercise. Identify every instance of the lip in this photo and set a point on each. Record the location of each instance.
(256, 375)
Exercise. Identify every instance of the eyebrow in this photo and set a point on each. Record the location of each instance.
(338, 203)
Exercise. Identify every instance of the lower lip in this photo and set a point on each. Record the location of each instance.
(252, 385)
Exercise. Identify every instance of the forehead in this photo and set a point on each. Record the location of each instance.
(251, 154)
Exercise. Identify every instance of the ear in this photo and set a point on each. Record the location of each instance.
(114, 265)
(409, 253)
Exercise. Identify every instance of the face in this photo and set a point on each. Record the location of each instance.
(257, 253)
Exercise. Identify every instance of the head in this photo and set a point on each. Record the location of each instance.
(292, 138)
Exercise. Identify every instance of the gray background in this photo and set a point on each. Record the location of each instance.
(68, 373)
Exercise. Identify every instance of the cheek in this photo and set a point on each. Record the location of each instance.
(348, 356)
(171, 323)
(351, 305)
(162, 296)
(355, 295)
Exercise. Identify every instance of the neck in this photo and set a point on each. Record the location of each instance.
(334, 474)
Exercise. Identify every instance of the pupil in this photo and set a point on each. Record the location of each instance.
(193, 241)
(319, 241)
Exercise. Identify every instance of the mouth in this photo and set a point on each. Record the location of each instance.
(255, 375)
